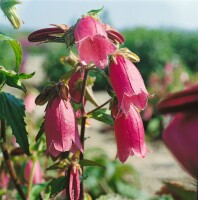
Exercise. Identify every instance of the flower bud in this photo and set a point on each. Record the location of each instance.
(114, 35)
(49, 34)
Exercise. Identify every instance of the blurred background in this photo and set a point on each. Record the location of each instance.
(164, 34)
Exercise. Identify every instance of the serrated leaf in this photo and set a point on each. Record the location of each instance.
(86, 162)
(57, 185)
(102, 115)
(12, 110)
(16, 46)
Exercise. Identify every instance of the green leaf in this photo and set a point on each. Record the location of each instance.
(85, 162)
(37, 189)
(102, 115)
(12, 110)
(40, 133)
(8, 3)
(16, 46)
(95, 12)
(57, 185)
(9, 9)
(13, 79)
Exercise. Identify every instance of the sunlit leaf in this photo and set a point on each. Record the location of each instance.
(16, 46)
(102, 115)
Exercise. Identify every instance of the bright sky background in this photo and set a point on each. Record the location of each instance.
(121, 14)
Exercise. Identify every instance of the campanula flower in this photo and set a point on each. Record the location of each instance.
(180, 135)
(61, 127)
(37, 174)
(129, 133)
(128, 84)
(92, 42)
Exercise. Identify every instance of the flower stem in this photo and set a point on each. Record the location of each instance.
(104, 104)
(31, 178)
(8, 161)
(83, 122)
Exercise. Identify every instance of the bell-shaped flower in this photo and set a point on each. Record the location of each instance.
(181, 134)
(128, 84)
(4, 179)
(74, 183)
(37, 172)
(182, 139)
(92, 42)
(61, 127)
(129, 133)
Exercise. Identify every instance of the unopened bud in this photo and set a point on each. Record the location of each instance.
(55, 34)
(114, 35)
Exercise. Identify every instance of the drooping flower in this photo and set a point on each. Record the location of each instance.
(92, 42)
(129, 133)
(29, 102)
(182, 139)
(4, 179)
(61, 127)
(181, 134)
(37, 173)
(74, 183)
(128, 84)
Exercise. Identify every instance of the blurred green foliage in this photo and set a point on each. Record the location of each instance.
(158, 47)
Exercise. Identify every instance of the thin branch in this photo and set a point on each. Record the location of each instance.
(83, 122)
(8, 161)
(104, 104)
(31, 178)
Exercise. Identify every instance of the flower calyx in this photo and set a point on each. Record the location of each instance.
(50, 92)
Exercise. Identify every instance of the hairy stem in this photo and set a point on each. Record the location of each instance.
(8, 161)
(83, 122)
(104, 104)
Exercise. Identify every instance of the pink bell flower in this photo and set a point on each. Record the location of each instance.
(182, 139)
(74, 183)
(61, 128)
(4, 179)
(129, 133)
(128, 84)
(181, 134)
(29, 102)
(92, 42)
(37, 174)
